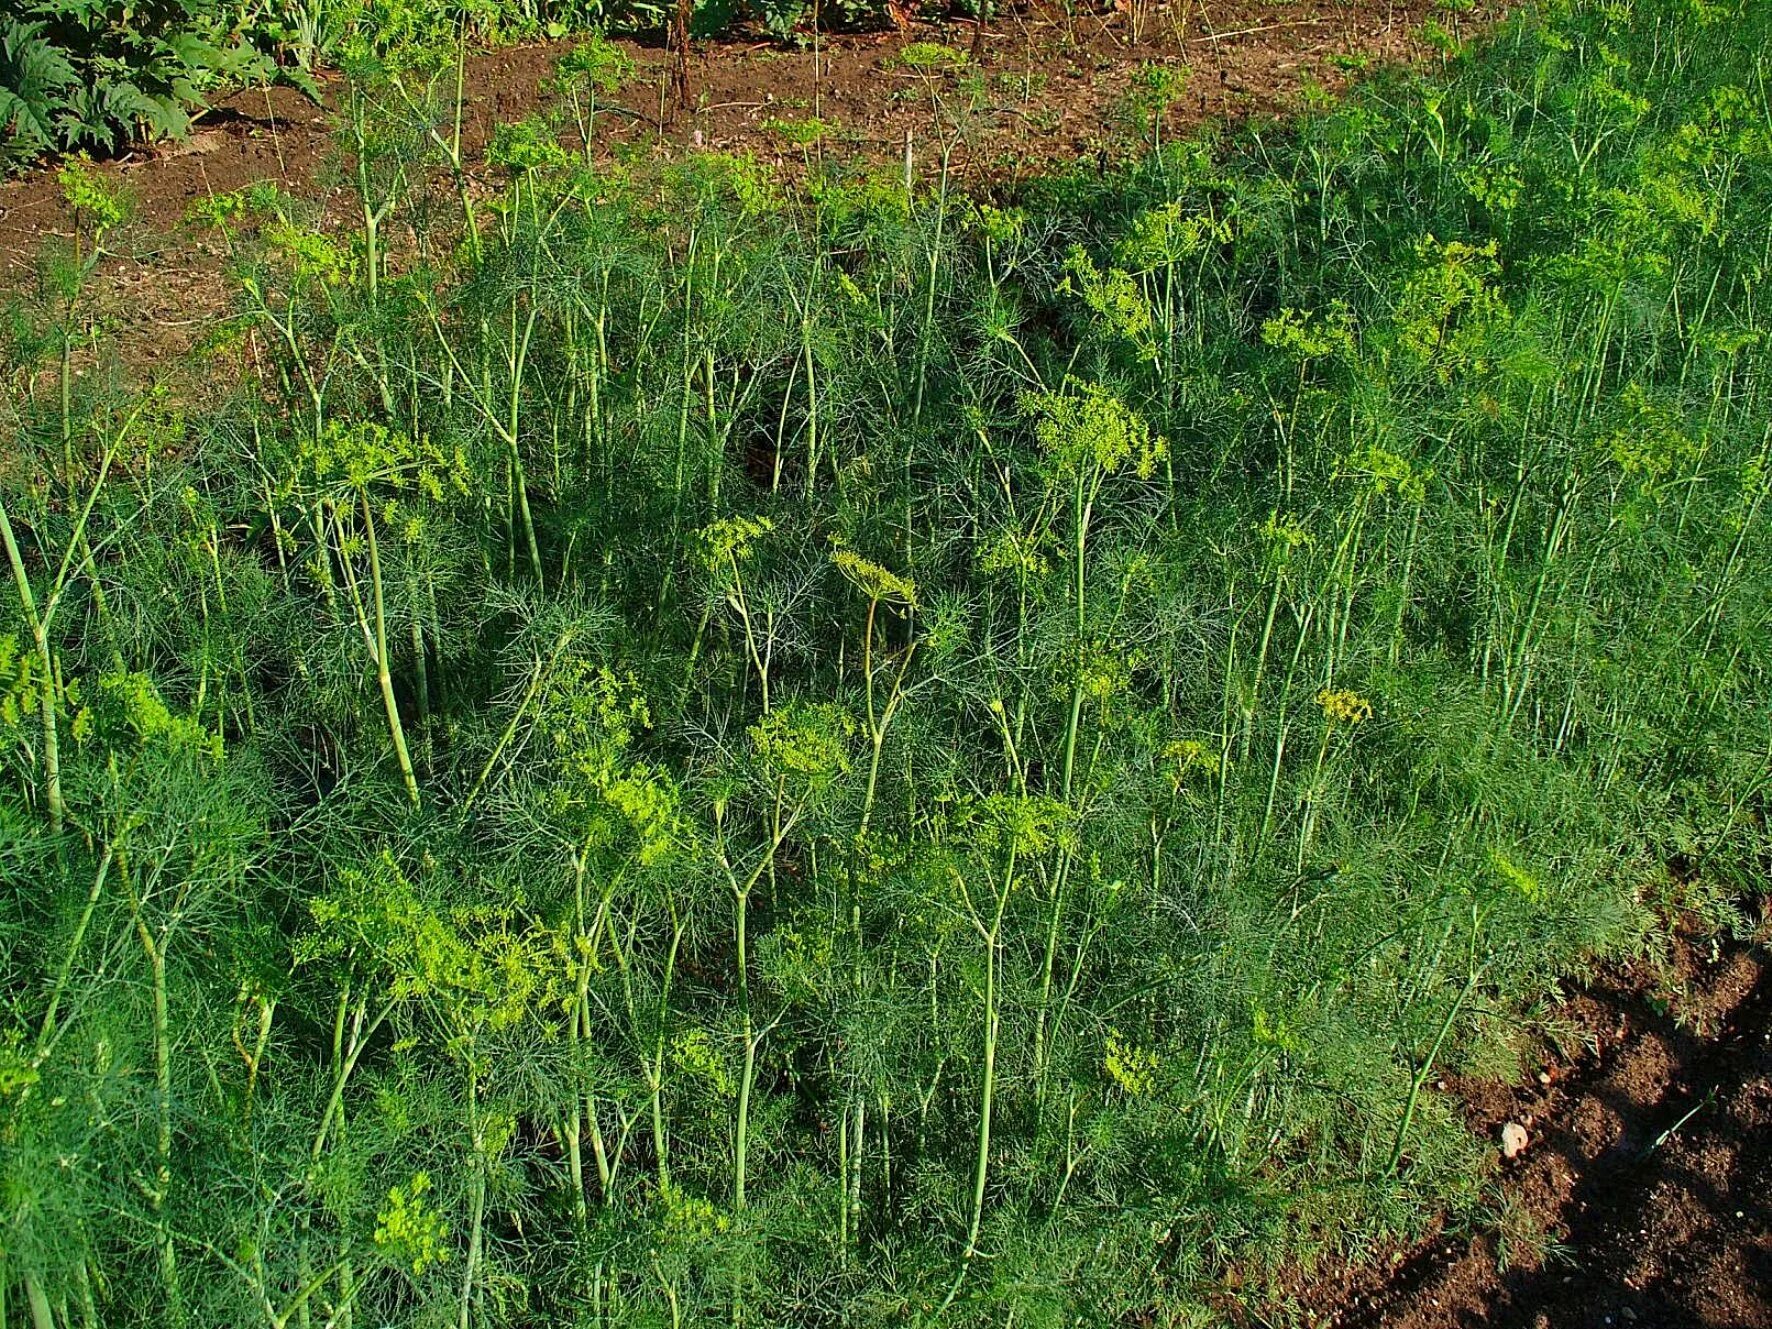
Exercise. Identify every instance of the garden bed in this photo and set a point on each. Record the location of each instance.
(1054, 86)
(733, 724)
(1645, 1194)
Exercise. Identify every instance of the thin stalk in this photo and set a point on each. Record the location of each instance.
(987, 1081)
(383, 674)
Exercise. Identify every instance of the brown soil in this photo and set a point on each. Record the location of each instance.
(1052, 89)
(1645, 1195)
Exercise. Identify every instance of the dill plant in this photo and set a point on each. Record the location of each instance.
(685, 752)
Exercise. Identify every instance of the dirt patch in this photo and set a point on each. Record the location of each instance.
(1645, 1195)
(1047, 86)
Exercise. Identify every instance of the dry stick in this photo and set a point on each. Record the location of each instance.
(1217, 37)
(276, 138)
(679, 40)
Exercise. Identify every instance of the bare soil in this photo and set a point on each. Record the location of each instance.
(1645, 1195)
(1048, 88)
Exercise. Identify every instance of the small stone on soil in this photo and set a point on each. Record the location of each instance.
(1514, 1140)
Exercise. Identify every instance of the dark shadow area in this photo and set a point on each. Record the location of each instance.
(1649, 1183)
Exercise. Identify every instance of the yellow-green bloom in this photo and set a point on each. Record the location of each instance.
(1343, 706)
(1131, 1067)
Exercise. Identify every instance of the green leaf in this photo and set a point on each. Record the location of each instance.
(34, 74)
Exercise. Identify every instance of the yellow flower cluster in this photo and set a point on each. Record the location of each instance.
(1116, 298)
(693, 1053)
(1086, 425)
(91, 196)
(409, 1229)
(1131, 1067)
(1283, 535)
(874, 581)
(687, 1215)
(1189, 756)
(729, 539)
(1029, 824)
(1307, 335)
(809, 740)
(1342, 706)
(1010, 551)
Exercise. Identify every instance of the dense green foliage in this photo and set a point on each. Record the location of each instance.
(99, 75)
(678, 753)
(93, 74)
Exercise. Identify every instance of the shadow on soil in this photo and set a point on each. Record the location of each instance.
(1646, 1198)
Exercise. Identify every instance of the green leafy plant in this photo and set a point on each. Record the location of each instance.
(661, 747)
(96, 74)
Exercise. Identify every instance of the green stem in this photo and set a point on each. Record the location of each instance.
(742, 1131)
(987, 1086)
(46, 698)
(383, 674)
(1426, 1069)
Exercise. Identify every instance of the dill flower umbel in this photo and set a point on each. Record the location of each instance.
(1343, 706)
(874, 581)
(1131, 1067)
(409, 1229)
(1188, 757)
